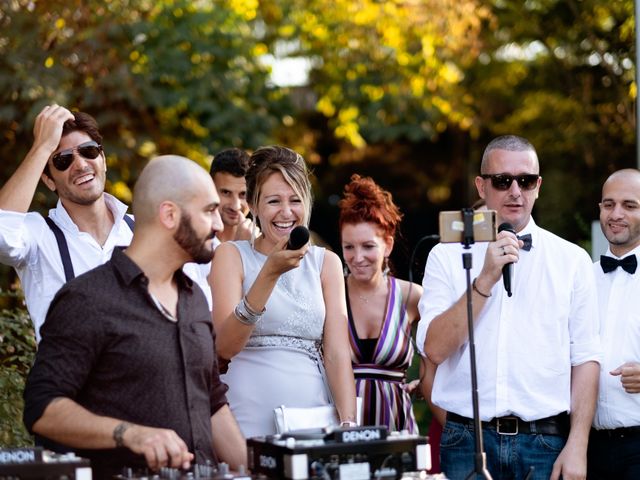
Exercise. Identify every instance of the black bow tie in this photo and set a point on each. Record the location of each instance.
(628, 264)
(526, 238)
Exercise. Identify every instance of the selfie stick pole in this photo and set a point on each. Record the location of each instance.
(480, 463)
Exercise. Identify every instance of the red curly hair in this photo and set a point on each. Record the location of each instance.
(365, 201)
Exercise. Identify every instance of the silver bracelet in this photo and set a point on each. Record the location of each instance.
(250, 309)
(247, 315)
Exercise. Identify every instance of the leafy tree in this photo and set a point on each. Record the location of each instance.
(383, 71)
(161, 77)
(561, 73)
(557, 72)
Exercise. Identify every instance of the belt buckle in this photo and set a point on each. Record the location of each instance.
(507, 425)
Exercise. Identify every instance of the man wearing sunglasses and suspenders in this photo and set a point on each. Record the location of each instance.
(67, 155)
(537, 351)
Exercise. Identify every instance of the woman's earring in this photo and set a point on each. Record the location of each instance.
(385, 267)
(255, 228)
(345, 270)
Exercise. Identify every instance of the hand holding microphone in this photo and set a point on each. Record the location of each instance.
(507, 269)
(289, 252)
(298, 237)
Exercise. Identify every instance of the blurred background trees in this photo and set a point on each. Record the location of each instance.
(407, 91)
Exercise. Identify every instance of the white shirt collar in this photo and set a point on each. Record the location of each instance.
(64, 220)
(635, 252)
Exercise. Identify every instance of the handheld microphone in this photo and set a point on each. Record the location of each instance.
(507, 270)
(298, 237)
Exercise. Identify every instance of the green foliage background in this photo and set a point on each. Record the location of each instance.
(406, 91)
(17, 348)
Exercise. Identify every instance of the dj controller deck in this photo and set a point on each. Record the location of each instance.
(360, 453)
(37, 463)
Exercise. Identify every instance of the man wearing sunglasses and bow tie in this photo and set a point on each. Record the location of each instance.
(614, 444)
(67, 155)
(537, 349)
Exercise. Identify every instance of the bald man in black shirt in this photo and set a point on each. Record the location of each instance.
(126, 372)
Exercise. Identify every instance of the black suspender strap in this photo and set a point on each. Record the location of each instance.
(63, 247)
(130, 221)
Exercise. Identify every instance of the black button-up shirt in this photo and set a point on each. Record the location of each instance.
(107, 346)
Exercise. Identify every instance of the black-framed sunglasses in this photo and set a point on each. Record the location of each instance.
(503, 181)
(63, 160)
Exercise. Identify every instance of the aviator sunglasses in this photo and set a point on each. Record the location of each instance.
(89, 150)
(503, 181)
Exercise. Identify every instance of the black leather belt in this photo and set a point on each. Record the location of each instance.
(617, 432)
(511, 425)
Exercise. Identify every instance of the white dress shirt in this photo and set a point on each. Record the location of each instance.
(525, 344)
(619, 301)
(199, 273)
(28, 245)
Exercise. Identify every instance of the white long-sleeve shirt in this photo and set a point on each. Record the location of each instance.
(28, 245)
(525, 344)
(619, 301)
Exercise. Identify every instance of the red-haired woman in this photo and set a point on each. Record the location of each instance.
(381, 308)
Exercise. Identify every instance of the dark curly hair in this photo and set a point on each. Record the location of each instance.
(234, 161)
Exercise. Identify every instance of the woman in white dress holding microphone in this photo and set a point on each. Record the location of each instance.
(279, 314)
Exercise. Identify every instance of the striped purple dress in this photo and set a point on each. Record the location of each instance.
(380, 366)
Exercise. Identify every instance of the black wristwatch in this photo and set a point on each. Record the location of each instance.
(118, 433)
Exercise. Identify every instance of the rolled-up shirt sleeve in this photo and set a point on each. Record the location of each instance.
(438, 295)
(16, 242)
(584, 324)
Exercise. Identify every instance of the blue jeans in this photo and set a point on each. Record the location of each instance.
(508, 456)
(613, 454)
